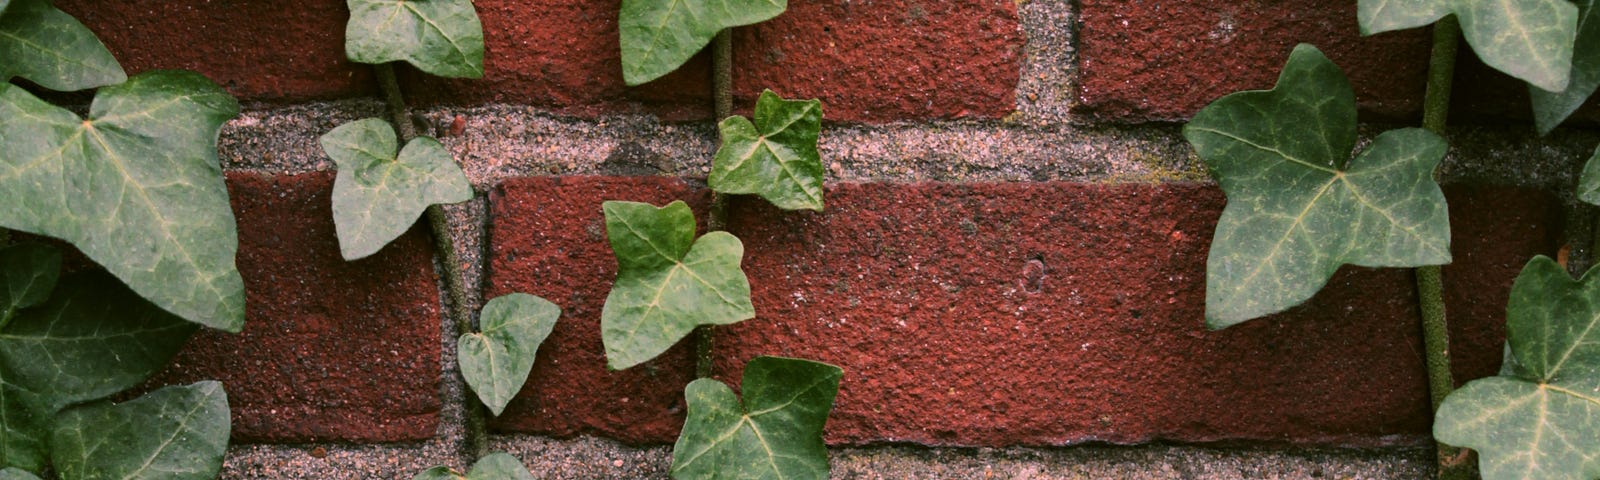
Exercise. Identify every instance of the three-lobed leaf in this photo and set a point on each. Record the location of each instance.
(495, 361)
(494, 466)
(137, 187)
(1296, 209)
(667, 281)
(52, 49)
(658, 36)
(1540, 418)
(775, 156)
(775, 434)
(1551, 108)
(174, 433)
(378, 195)
(441, 37)
(1528, 39)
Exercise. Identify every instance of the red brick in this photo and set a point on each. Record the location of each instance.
(924, 294)
(1160, 61)
(257, 50)
(331, 350)
(548, 239)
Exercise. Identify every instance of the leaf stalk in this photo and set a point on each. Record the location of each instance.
(717, 220)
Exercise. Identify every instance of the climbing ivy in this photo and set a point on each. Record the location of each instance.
(1528, 39)
(775, 156)
(774, 434)
(495, 466)
(441, 37)
(658, 36)
(378, 194)
(496, 360)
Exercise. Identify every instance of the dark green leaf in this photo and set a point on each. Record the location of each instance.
(137, 187)
(496, 361)
(775, 435)
(13, 473)
(28, 274)
(1550, 109)
(1296, 211)
(93, 338)
(175, 433)
(441, 37)
(775, 157)
(659, 35)
(667, 282)
(1528, 39)
(24, 425)
(50, 48)
(495, 466)
(378, 196)
(1541, 417)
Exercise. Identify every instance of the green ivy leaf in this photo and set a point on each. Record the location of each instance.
(13, 473)
(441, 37)
(1551, 108)
(777, 159)
(1296, 211)
(28, 273)
(776, 434)
(137, 187)
(50, 48)
(24, 423)
(1538, 419)
(495, 466)
(1528, 39)
(496, 361)
(1589, 180)
(93, 338)
(667, 282)
(175, 433)
(659, 35)
(378, 196)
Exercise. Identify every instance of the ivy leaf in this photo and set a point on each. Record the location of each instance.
(28, 273)
(1528, 39)
(1296, 210)
(776, 434)
(659, 35)
(1551, 108)
(1589, 180)
(777, 159)
(24, 423)
(93, 338)
(175, 433)
(667, 282)
(441, 37)
(377, 196)
(1538, 419)
(496, 361)
(50, 48)
(137, 187)
(13, 473)
(494, 466)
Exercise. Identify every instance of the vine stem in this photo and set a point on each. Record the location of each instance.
(717, 218)
(1454, 462)
(444, 244)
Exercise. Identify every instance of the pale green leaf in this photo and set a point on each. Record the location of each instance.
(28, 273)
(175, 433)
(1528, 39)
(137, 188)
(441, 37)
(659, 35)
(495, 362)
(667, 282)
(776, 434)
(1589, 180)
(1551, 108)
(439, 473)
(1541, 417)
(93, 338)
(50, 48)
(775, 157)
(494, 466)
(377, 196)
(24, 425)
(14, 473)
(1296, 211)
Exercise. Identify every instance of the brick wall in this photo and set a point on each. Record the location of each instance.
(1012, 255)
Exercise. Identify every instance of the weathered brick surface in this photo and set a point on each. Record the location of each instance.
(257, 50)
(331, 350)
(926, 296)
(1145, 60)
(548, 238)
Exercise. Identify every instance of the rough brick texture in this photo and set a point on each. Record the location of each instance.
(549, 239)
(969, 314)
(331, 350)
(1145, 61)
